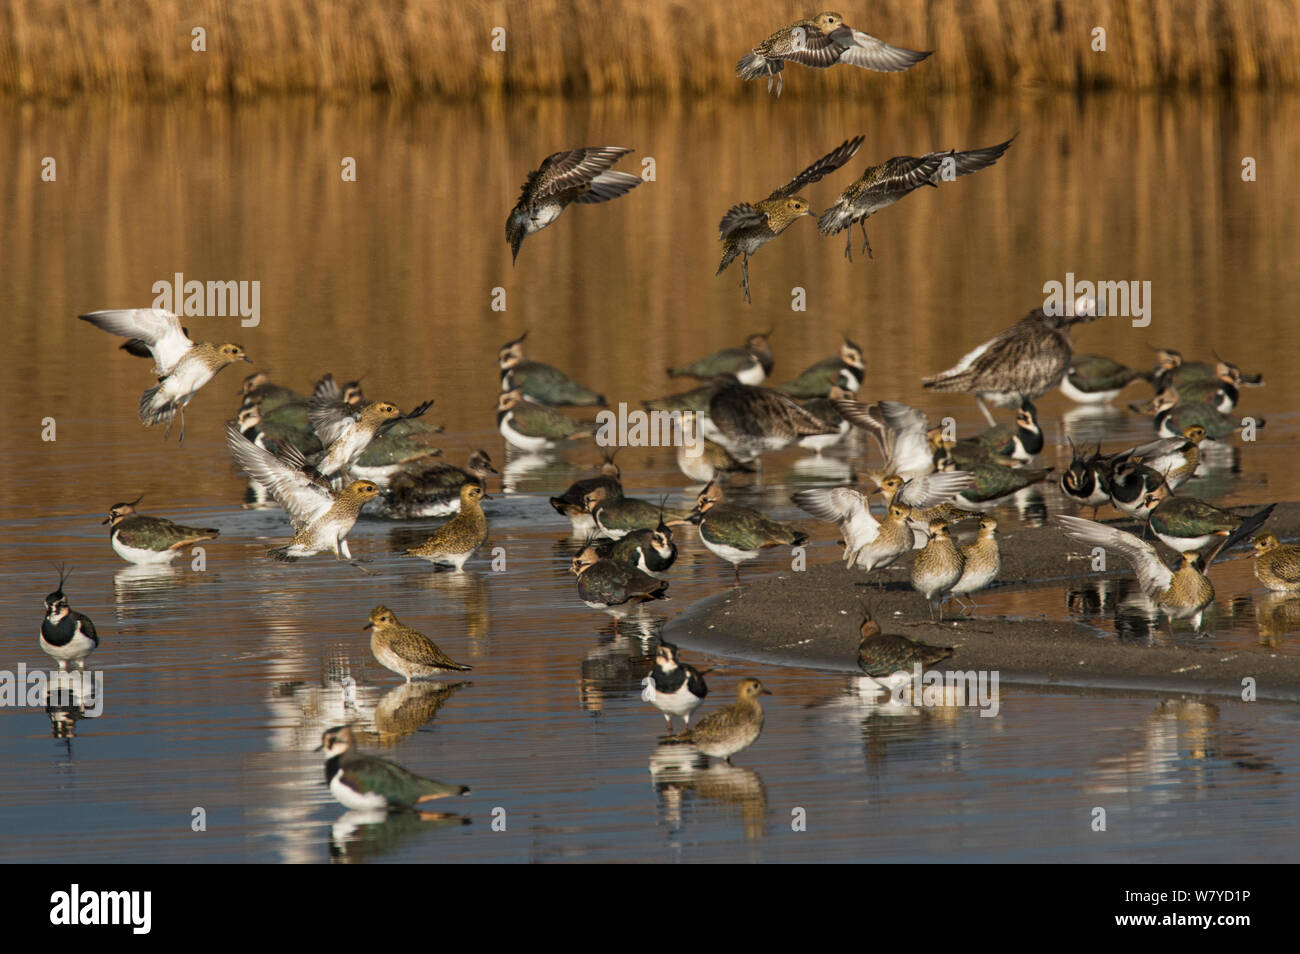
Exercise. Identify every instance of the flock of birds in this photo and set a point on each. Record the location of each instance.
(325, 456)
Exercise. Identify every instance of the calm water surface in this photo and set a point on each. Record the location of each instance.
(218, 683)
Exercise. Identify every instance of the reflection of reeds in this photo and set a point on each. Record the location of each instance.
(440, 47)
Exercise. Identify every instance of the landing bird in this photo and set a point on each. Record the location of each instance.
(405, 651)
(673, 687)
(322, 518)
(749, 226)
(540, 382)
(1022, 363)
(66, 635)
(139, 538)
(346, 430)
(723, 733)
(369, 782)
(881, 186)
(181, 365)
(575, 175)
(820, 43)
(1180, 594)
(899, 430)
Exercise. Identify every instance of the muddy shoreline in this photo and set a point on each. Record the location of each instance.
(810, 620)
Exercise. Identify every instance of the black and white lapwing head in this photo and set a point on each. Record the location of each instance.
(120, 511)
(56, 604)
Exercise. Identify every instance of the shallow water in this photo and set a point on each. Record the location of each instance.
(218, 683)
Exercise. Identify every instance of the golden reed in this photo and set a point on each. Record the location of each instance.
(409, 48)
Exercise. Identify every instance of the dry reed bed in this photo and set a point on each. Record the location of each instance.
(56, 48)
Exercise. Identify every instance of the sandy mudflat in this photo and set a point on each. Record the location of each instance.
(810, 619)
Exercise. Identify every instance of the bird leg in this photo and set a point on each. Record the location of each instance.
(866, 245)
(848, 244)
(985, 411)
(744, 281)
(780, 84)
(736, 567)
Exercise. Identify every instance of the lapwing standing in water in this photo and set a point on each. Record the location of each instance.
(652, 551)
(367, 782)
(881, 655)
(1173, 416)
(938, 568)
(674, 687)
(751, 421)
(1021, 364)
(1085, 480)
(751, 364)
(573, 502)
(404, 651)
(1172, 370)
(1188, 523)
(981, 562)
(575, 175)
(820, 43)
(1096, 379)
(1020, 441)
(322, 517)
(749, 226)
(67, 636)
(456, 540)
(882, 185)
(845, 371)
(541, 382)
(434, 489)
(533, 427)
(1277, 565)
(723, 733)
(139, 538)
(181, 365)
(258, 390)
(613, 586)
(738, 534)
(616, 516)
(1179, 594)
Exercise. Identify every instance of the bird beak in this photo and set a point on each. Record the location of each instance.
(248, 359)
(766, 692)
(487, 497)
(319, 748)
(368, 626)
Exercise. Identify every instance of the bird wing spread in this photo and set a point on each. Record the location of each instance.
(303, 500)
(159, 329)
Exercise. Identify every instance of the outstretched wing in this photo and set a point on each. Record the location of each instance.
(864, 50)
(822, 167)
(331, 419)
(970, 160)
(930, 490)
(832, 504)
(302, 499)
(740, 217)
(1152, 574)
(160, 330)
(573, 167)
